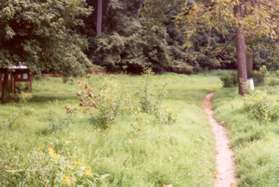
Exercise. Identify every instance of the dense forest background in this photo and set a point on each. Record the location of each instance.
(60, 36)
(139, 34)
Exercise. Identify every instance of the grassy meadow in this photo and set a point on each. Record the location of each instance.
(41, 144)
(253, 125)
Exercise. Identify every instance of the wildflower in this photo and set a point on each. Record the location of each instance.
(52, 153)
(67, 180)
(69, 109)
(88, 172)
(77, 163)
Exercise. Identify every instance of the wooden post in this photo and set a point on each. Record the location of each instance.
(30, 81)
(4, 85)
(13, 82)
(2, 75)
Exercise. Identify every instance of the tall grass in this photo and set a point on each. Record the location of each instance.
(254, 131)
(135, 150)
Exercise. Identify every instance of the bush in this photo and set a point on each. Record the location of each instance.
(273, 79)
(229, 80)
(273, 82)
(259, 76)
(262, 108)
(103, 104)
(106, 103)
(151, 103)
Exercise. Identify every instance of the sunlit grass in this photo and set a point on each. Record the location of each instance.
(133, 151)
(254, 142)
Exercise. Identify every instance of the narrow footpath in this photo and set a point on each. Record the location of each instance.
(225, 170)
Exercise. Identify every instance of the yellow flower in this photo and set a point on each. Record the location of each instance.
(77, 163)
(52, 153)
(88, 172)
(67, 180)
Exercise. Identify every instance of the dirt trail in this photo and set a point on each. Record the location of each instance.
(225, 171)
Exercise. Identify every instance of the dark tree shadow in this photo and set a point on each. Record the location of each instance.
(49, 98)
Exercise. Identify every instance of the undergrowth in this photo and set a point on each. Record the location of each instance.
(253, 125)
(50, 140)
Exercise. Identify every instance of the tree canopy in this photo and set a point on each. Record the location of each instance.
(247, 20)
(45, 35)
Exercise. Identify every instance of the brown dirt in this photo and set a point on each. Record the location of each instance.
(225, 170)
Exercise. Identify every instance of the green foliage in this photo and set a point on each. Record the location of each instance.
(273, 82)
(229, 79)
(56, 124)
(151, 153)
(259, 106)
(265, 53)
(158, 11)
(45, 168)
(13, 121)
(107, 102)
(260, 75)
(210, 29)
(136, 38)
(273, 79)
(254, 142)
(103, 103)
(44, 35)
(151, 103)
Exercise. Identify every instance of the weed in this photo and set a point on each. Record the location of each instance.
(229, 79)
(48, 168)
(253, 130)
(14, 121)
(151, 103)
(262, 108)
(141, 154)
(56, 124)
(104, 104)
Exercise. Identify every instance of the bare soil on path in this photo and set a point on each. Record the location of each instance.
(225, 169)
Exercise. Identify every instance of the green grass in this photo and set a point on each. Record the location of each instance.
(255, 143)
(133, 151)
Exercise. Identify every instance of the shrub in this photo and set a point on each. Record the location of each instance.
(259, 76)
(273, 82)
(273, 79)
(103, 104)
(229, 80)
(151, 103)
(261, 107)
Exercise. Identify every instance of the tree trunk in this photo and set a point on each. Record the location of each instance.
(99, 17)
(241, 62)
(239, 11)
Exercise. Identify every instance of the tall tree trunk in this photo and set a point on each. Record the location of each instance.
(241, 62)
(99, 17)
(239, 11)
